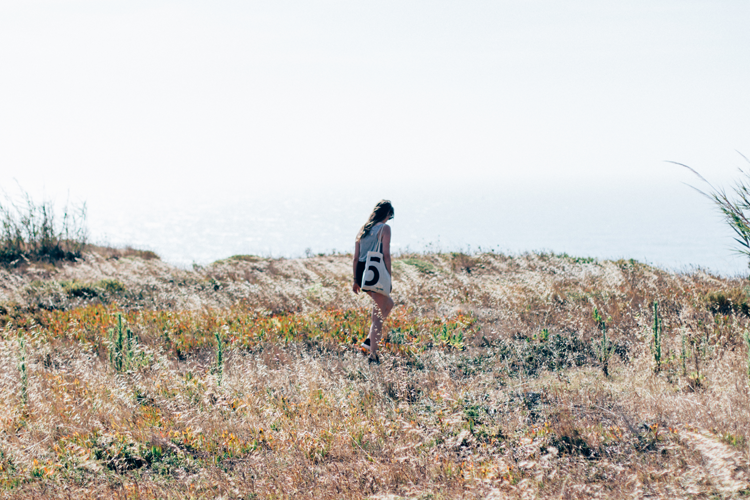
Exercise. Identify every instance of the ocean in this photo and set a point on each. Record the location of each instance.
(664, 222)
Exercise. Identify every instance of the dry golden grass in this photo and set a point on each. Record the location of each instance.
(511, 402)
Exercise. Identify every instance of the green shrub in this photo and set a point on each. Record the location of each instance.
(462, 262)
(566, 436)
(92, 290)
(110, 286)
(556, 353)
(121, 253)
(734, 300)
(577, 260)
(396, 336)
(422, 266)
(32, 232)
(141, 254)
(738, 441)
(49, 295)
(78, 289)
(239, 258)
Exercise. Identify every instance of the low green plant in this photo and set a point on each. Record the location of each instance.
(78, 289)
(462, 262)
(701, 349)
(472, 414)
(101, 288)
(544, 335)
(605, 346)
(123, 348)
(738, 441)
(656, 338)
(422, 266)
(746, 336)
(219, 358)
(396, 336)
(683, 355)
(239, 258)
(450, 337)
(23, 371)
(111, 286)
(735, 206)
(577, 260)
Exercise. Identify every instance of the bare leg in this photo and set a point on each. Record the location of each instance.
(380, 311)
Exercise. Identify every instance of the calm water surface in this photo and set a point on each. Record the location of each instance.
(665, 223)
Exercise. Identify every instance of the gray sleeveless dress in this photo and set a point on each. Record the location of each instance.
(369, 242)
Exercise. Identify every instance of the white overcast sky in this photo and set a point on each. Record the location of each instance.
(194, 95)
(206, 128)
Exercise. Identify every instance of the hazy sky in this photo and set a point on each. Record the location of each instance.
(122, 101)
(195, 94)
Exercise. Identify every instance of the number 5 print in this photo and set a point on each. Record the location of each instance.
(375, 273)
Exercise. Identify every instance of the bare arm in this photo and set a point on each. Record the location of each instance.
(387, 247)
(355, 286)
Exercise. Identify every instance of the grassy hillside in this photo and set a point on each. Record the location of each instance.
(526, 376)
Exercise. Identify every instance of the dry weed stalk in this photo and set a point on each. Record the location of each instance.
(519, 407)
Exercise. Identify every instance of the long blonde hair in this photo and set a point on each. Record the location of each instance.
(382, 210)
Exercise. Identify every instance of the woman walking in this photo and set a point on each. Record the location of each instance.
(375, 233)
